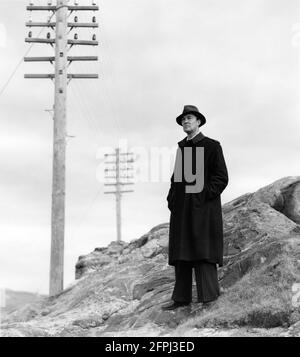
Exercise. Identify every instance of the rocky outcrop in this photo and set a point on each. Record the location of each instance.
(119, 289)
(146, 247)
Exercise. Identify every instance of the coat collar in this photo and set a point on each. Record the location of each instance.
(195, 139)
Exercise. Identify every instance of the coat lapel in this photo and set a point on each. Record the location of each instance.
(195, 139)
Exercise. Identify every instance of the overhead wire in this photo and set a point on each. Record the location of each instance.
(21, 61)
(83, 217)
(103, 85)
(82, 100)
(88, 208)
(87, 68)
(82, 91)
(88, 115)
(78, 104)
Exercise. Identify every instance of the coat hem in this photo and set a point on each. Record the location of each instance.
(214, 261)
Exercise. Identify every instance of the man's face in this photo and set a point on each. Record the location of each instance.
(190, 123)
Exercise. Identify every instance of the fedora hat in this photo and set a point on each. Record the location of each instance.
(191, 109)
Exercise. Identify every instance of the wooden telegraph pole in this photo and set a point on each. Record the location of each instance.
(62, 11)
(119, 180)
(59, 152)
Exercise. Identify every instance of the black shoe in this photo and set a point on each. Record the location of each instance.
(174, 305)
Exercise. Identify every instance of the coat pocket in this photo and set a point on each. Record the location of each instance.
(199, 199)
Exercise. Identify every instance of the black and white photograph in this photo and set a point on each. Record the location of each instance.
(150, 170)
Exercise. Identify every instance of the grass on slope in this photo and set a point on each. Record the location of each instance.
(262, 298)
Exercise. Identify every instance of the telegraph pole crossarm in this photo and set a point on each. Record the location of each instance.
(121, 153)
(70, 24)
(120, 183)
(120, 191)
(53, 8)
(118, 177)
(70, 75)
(70, 42)
(52, 58)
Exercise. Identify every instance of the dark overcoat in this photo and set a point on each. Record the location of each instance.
(196, 222)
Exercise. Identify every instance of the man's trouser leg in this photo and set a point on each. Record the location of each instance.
(206, 275)
(183, 282)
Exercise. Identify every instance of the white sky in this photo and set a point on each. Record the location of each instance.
(238, 61)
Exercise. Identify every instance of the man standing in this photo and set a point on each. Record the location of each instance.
(196, 223)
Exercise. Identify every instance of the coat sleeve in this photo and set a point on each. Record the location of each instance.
(171, 193)
(218, 176)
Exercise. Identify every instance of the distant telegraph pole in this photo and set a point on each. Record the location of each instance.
(121, 175)
(61, 79)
